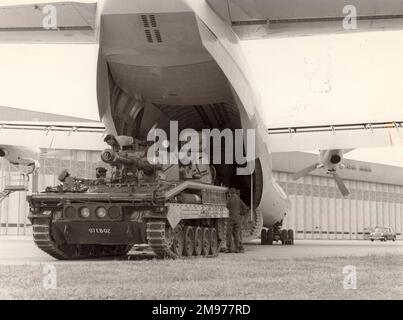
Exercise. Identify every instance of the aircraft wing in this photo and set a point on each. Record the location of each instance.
(53, 135)
(253, 19)
(345, 136)
(53, 22)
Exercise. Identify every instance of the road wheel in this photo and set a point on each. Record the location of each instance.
(198, 241)
(189, 241)
(178, 242)
(270, 237)
(214, 241)
(291, 237)
(263, 237)
(284, 237)
(206, 241)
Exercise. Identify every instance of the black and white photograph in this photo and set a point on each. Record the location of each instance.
(214, 151)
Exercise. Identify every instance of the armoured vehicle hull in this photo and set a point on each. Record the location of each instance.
(174, 219)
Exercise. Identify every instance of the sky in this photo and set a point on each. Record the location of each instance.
(62, 79)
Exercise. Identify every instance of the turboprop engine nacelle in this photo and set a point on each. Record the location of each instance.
(330, 160)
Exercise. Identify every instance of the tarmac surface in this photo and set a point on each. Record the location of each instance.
(17, 251)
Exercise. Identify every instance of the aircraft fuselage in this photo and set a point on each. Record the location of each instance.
(171, 60)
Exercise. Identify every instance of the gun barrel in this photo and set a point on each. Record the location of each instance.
(113, 158)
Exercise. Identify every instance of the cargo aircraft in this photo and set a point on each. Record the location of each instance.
(182, 60)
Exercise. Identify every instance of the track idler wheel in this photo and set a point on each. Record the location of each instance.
(178, 243)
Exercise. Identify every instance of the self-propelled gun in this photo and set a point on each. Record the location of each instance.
(175, 210)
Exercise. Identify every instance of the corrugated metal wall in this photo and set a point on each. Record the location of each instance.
(320, 212)
(14, 209)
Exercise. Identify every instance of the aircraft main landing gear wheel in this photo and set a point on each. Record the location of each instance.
(270, 237)
(291, 237)
(284, 237)
(263, 237)
(189, 241)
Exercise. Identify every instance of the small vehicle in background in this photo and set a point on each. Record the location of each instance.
(367, 233)
(383, 234)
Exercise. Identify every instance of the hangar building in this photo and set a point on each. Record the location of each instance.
(318, 210)
(17, 127)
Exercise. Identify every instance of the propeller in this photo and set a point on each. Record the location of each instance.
(340, 184)
(298, 175)
(331, 161)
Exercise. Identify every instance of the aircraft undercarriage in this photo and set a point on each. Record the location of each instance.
(276, 234)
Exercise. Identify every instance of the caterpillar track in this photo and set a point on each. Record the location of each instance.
(44, 241)
(185, 241)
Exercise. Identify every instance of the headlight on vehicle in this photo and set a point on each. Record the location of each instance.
(70, 212)
(114, 212)
(101, 212)
(85, 212)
